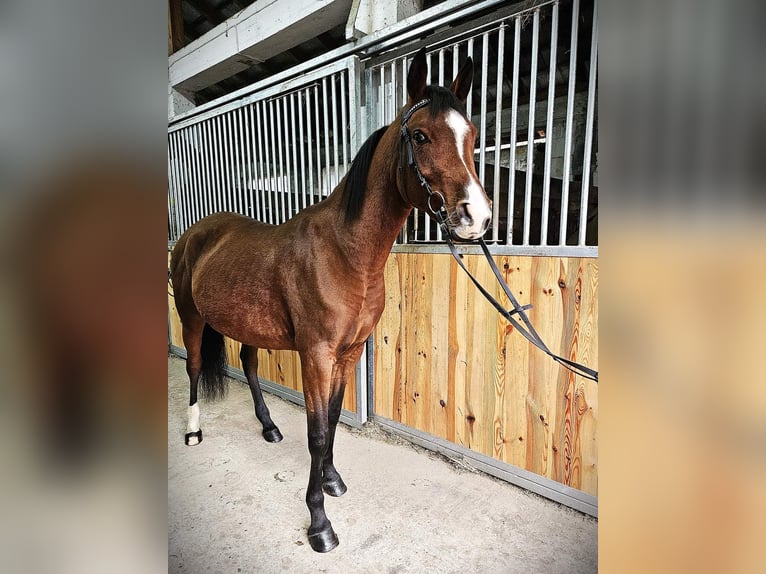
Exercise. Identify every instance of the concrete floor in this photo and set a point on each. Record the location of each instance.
(236, 503)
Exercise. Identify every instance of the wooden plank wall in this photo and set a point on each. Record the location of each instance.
(447, 364)
(282, 367)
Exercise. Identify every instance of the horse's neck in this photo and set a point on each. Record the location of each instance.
(384, 211)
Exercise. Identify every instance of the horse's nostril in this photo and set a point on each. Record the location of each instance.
(462, 211)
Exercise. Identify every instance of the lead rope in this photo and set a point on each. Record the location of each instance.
(439, 213)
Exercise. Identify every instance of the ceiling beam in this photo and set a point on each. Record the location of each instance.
(175, 26)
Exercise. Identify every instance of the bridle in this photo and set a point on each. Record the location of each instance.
(439, 214)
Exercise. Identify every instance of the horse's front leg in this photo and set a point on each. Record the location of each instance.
(317, 381)
(344, 372)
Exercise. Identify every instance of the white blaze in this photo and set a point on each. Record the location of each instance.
(476, 199)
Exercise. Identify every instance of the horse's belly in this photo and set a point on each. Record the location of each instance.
(252, 328)
(251, 316)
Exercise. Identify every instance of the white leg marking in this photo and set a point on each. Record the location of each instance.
(193, 424)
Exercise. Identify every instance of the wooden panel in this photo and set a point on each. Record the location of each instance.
(282, 367)
(446, 363)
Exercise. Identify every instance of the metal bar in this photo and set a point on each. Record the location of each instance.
(469, 102)
(405, 234)
(211, 158)
(238, 197)
(567, 170)
(171, 165)
(260, 164)
(514, 127)
(318, 143)
(227, 162)
(585, 191)
(202, 170)
(334, 100)
(536, 483)
(233, 152)
(526, 250)
(325, 116)
(381, 97)
(231, 140)
(256, 165)
(441, 83)
(211, 169)
(172, 227)
(268, 134)
(242, 164)
(249, 158)
(205, 164)
(287, 192)
(281, 191)
(284, 161)
(173, 162)
(441, 67)
(531, 126)
(426, 219)
(309, 150)
(354, 131)
(193, 164)
(345, 77)
(483, 124)
(404, 82)
(498, 134)
(549, 125)
(275, 165)
(391, 98)
(302, 148)
(293, 138)
(187, 176)
(218, 151)
(188, 173)
(455, 56)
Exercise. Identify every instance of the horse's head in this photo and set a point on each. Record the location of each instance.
(441, 139)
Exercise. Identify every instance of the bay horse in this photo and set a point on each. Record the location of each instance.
(314, 284)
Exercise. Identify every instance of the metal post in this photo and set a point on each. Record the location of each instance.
(589, 128)
(569, 124)
(531, 126)
(549, 126)
(514, 127)
(498, 133)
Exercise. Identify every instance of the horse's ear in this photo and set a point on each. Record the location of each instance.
(462, 84)
(416, 78)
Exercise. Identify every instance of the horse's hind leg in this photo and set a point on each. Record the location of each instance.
(249, 357)
(192, 336)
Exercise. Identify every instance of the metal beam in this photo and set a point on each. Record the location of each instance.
(257, 33)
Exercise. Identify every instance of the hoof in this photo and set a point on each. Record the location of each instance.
(323, 541)
(193, 438)
(335, 487)
(272, 435)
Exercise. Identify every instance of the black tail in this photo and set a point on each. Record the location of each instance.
(212, 378)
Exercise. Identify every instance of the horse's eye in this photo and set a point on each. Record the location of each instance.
(419, 137)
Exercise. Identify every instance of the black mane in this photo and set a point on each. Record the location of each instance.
(356, 180)
(442, 100)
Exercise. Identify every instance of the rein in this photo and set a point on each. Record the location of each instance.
(440, 215)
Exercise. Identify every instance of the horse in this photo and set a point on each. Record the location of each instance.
(314, 284)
